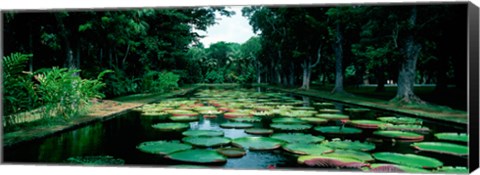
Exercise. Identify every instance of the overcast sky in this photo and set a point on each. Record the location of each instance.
(229, 29)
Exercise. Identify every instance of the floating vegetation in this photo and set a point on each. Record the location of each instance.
(205, 141)
(409, 128)
(306, 149)
(400, 135)
(348, 144)
(246, 119)
(162, 147)
(235, 114)
(442, 147)
(366, 124)
(183, 118)
(167, 127)
(324, 105)
(331, 161)
(95, 160)
(357, 110)
(333, 116)
(459, 137)
(298, 138)
(401, 120)
(288, 120)
(259, 131)
(363, 156)
(232, 152)
(236, 125)
(331, 111)
(337, 130)
(290, 127)
(314, 120)
(154, 114)
(257, 143)
(197, 133)
(198, 156)
(394, 168)
(451, 169)
(408, 160)
(180, 112)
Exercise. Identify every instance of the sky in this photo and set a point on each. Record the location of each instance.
(229, 29)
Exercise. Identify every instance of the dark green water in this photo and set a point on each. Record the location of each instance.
(120, 136)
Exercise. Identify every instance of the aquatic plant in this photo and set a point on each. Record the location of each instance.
(236, 125)
(331, 161)
(337, 130)
(259, 131)
(442, 147)
(211, 133)
(257, 143)
(205, 141)
(450, 136)
(306, 148)
(298, 138)
(290, 127)
(198, 156)
(171, 126)
(162, 147)
(232, 152)
(411, 160)
(95, 160)
(348, 144)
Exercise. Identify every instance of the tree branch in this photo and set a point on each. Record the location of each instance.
(319, 55)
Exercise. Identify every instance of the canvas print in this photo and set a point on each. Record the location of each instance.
(353, 87)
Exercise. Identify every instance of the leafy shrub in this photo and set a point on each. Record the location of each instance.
(214, 77)
(119, 84)
(154, 81)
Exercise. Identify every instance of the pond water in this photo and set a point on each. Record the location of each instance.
(120, 136)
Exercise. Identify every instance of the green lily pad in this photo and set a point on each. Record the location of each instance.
(357, 110)
(184, 118)
(210, 112)
(155, 114)
(333, 116)
(442, 147)
(95, 160)
(162, 147)
(211, 133)
(402, 135)
(167, 127)
(314, 120)
(198, 156)
(259, 131)
(401, 120)
(303, 108)
(236, 125)
(290, 127)
(411, 160)
(331, 161)
(257, 143)
(306, 149)
(337, 130)
(348, 144)
(408, 128)
(330, 111)
(235, 114)
(363, 156)
(450, 169)
(459, 137)
(324, 105)
(246, 119)
(366, 124)
(205, 141)
(181, 112)
(232, 152)
(394, 168)
(287, 120)
(298, 138)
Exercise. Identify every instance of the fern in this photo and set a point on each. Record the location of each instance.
(14, 64)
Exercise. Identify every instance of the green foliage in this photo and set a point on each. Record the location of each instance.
(156, 82)
(119, 84)
(214, 77)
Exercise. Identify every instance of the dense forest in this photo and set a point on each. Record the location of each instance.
(122, 52)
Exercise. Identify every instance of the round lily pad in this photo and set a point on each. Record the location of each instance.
(402, 135)
(411, 160)
(333, 116)
(232, 152)
(259, 131)
(348, 144)
(303, 108)
(401, 120)
(450, 169)
(235, 114)
(366, 124)
(162, 147)
(246, 119)
(287, 120)
(337, 130)
(171, 126)
(357, 109)
(96, 160)
(314, 120)
(331, 111)
(180, 112)
(408, 128)
(211, 133)
(324, 105)
(450, 136)
(331, 161)
(290, 127)
(306, 149)
(210, 112)
(236, 125)
(298, 138)
(442, 147)
(205, 141)
(395, 168)
(198, 156)
(363, 156)
(184, 118)
(257, 143)
(154, 114)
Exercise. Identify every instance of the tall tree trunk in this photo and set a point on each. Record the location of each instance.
(68, 49)
(338, 61)
(406, 76)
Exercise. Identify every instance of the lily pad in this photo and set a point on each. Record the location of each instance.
(184, 118)
(167, 127)
(314, 120)
(348, 144)
(411, 160)
(198, 156)
(450, 169)
(235, 115)
(232, 152)
(298, 138)
(395, 168)
(162, 147)
(363, 156)
(287, 120)
(95, 160)
(459, 137)
(442, 147)
(324, 105)
(402, 135)
(259, 131)
(409, 128)
(181, 112)
(337, 130)
(246, 119)
(333, 116)
(257, 143)
(211, 133)
(205, 141)
(306, 149)
(290, 127)
(330, 111)
(366, 124)
(331, 161)
(401, 120)
(303, 108)
(154, 114)
(357, 110)
(236, 125)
